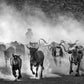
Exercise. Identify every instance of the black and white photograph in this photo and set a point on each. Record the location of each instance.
(41, 42)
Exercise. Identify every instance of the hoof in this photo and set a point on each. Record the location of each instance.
(70, 71)
(41, 76)
(16, 79)
(36, 75)
(37, 78)
(19, 77)
(33, 72)
(77, 75)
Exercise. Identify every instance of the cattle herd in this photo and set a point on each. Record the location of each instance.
(37, 57)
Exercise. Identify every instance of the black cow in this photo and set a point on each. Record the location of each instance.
(76, 56)
(36, 59)
(16, 64)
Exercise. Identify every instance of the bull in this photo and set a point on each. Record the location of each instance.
(16, 64)
(36, 60)
(76, 56)
(55, 49)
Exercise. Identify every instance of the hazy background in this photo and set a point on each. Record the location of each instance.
(48, 19)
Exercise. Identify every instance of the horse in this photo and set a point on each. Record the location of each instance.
(36, 60)
(16, 64)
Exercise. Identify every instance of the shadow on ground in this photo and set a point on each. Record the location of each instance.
(63, 79)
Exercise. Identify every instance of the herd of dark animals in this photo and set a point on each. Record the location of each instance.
(37, 57)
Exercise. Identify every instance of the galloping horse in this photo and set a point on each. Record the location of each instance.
(16, 64)
(36, 59)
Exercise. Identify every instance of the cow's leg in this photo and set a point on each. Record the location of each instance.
(55, 60)
(37, 71)
(71, 67)
(42, 70)
(77, 71)
(19, 72)
(31, 68)
(14, 72)
(60, 60)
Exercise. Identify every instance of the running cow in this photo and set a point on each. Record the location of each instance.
(76, 56)
(77, 52)
(36, 60)
(16, 64)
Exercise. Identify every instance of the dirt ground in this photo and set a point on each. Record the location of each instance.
(63, 79)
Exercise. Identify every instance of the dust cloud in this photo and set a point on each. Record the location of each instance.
(14, 25)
